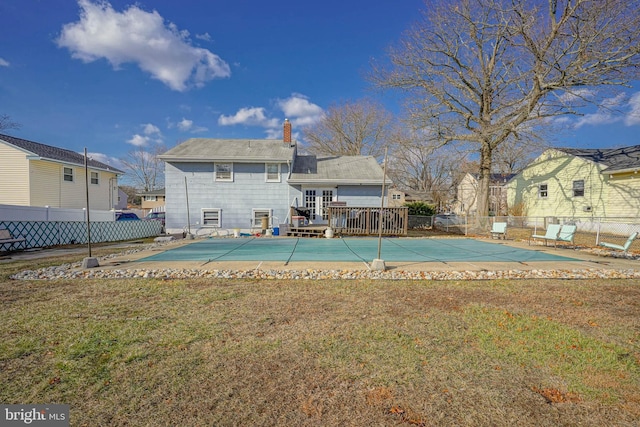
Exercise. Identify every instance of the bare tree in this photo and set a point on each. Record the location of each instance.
(145, 168)
(483, 71)
(513, 155)
(350, 128)
(417, 163)
(7, 123)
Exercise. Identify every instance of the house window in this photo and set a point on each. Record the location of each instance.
(224, 171)
(258, 214)
(273, 172)
(68, 174)
(543, 191)
(396, 196)
(211, 217)
(150, 198)
(578, 188)
(95, 178)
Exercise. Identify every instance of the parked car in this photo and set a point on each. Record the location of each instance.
(126, 216)
(155, 216)
(444, 220)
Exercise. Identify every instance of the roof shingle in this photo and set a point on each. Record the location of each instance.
(54, 153)
(615, 159)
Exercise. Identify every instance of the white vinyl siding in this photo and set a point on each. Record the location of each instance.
(14, 176)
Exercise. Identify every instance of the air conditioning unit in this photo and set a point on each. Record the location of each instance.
(586, 208)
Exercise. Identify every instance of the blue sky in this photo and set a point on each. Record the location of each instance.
(113, 76)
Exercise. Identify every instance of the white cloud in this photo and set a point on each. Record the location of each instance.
(4, 63)
(600, 117)
(606, 113)
(299, 110)
(143, 38)
(633, 117)
(252, 116)
(150, 129)
(185, 124)
(101, 157)
(578, 95)
(206, 37)
(139, 140)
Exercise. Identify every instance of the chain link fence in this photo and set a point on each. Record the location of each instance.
(590, 230)
(42, 234)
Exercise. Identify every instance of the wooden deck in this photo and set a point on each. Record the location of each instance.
(355, 221)
(359, 221)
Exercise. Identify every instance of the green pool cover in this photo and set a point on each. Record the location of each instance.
(351, 250)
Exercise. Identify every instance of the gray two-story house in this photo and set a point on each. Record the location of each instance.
(235, 183)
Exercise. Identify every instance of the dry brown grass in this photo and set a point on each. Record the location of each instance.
(215, 352)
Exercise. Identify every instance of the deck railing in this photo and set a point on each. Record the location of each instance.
(366, 220)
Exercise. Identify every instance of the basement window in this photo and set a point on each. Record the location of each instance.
(210, 217)
(258, 214)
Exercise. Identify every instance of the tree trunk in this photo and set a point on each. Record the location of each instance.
(484, 180)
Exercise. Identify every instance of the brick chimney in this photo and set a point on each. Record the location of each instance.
(287, 132)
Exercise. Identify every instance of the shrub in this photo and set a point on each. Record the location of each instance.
(420, 208)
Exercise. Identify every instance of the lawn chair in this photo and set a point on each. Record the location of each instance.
(567, 233)
(499, 229)
(624, 247)
(552, 234)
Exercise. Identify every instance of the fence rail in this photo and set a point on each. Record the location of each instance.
(368, 221)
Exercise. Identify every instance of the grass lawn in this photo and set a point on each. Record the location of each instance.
(239, 352)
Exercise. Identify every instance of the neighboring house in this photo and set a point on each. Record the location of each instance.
(123, 200)
(395, 198)
(398, 198)
(34, 174)
(580, 182)
(234, 183)
(153, 200)
(467, 203)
